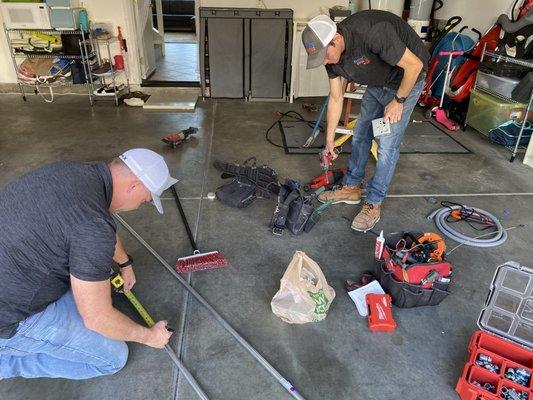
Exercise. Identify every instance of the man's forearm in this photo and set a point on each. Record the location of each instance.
(333, 117)
(410, 76)
(115, 325)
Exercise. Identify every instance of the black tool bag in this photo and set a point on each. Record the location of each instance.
(249, 181)
(236, 194)
(293, 210)
(262, 177)
(407, 295)
(299, 212)
(403, 293)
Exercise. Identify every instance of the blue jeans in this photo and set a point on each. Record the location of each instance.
(373, 106)
(55, 343)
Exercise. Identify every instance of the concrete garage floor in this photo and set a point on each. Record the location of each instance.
(338, 358)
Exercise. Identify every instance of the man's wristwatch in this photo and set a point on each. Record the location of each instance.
(127, 263)
(399, 99)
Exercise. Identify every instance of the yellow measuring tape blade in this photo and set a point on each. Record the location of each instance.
(117, 282)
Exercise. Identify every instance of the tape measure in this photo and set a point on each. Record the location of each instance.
(117, 282)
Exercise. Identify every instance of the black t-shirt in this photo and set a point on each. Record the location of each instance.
(375, 42)
(54, 222)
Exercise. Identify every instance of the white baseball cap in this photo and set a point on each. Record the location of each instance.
(316, 36)
(152, 171)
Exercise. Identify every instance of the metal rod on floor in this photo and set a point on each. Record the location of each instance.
(253, 352)
(190, 378)
(117, 282)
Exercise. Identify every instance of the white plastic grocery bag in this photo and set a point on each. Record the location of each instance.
(304, 294)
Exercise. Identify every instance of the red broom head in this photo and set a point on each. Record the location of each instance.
(201, 261)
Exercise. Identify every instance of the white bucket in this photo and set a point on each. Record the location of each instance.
(420, 9)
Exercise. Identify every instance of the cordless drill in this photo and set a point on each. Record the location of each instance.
(325, 162)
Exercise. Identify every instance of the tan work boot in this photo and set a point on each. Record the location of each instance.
(367, 218)
(344, 194)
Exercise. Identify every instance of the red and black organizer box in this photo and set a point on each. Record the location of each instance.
(505, 335)
(404, 283)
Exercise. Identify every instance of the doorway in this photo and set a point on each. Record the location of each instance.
(176, 53)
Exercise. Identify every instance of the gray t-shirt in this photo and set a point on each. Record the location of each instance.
(375, 42)
(54, 222)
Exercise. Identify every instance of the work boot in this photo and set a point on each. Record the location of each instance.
(367, 218)
(343, 194)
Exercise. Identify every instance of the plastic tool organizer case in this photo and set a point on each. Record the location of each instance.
(506, 336)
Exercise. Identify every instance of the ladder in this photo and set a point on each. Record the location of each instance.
(353, 92)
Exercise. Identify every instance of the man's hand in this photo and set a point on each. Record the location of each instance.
(158, 335)
(129, 278)
(329, 151)
(393, 112)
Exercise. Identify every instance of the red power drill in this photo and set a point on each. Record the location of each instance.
(325, 162)
(177, 138)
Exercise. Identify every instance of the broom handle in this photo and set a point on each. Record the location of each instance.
(184, 219)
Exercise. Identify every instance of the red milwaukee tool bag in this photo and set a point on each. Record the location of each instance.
(412, 268)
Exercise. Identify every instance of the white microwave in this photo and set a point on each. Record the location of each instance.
(26, 15)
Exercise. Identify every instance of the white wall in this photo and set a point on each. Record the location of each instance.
(115, 12)
(7, 72)
(479, 14)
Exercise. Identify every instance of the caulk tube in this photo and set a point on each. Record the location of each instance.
(380, 243)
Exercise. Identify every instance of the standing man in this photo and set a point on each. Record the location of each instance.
(380, 50)
(57, 244)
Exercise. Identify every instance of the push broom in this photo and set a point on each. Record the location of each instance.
(247, 346)
(197, 261)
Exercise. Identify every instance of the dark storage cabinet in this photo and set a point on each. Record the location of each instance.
(245, 53)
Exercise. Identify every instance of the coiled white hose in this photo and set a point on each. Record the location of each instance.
(441, 214)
